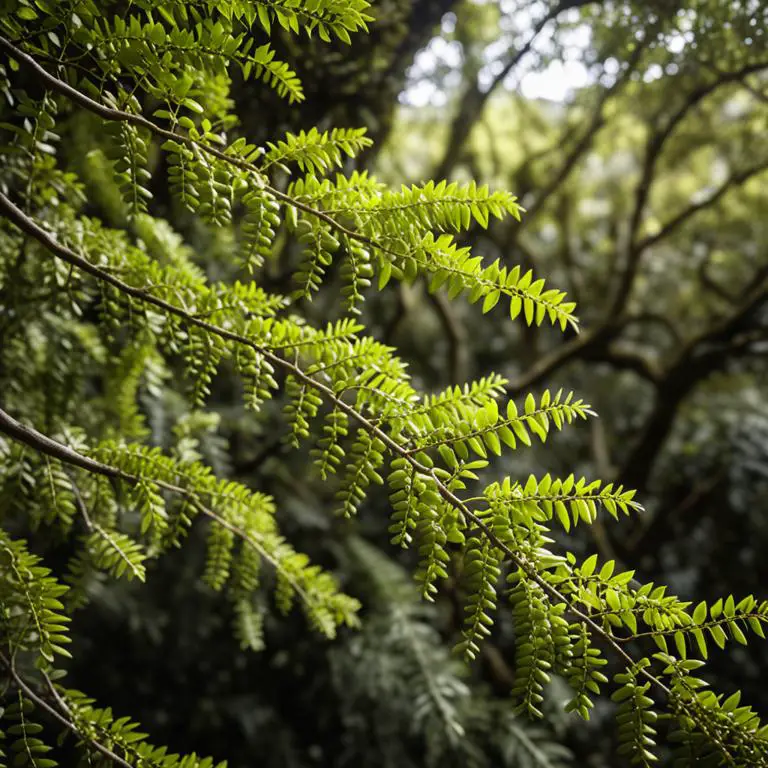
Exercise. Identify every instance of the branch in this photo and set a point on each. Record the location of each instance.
(576, 346)
(711, 285)
(653, 150)
(585, 142)
(761, 96)
(702, 355)
(46, 445)
(473, 101)
(627, 360)
(56, 715)
(117, 115)
(755, 293)
(79, 501)
(734, 180)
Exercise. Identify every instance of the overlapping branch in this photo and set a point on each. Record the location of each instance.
(47, 446)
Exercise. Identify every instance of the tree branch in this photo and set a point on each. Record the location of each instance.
(474, 100)
(710, 284)
(56, 715)
(117, 115)
(578, 345)
(654, 146)
(699, 358)
(626, 360)
(585, 142)
(734, 180)
(44, 444)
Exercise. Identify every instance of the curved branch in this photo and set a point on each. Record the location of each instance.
(585, 142)
(653, 150)
(44, 444)
(576, 346)
(519, 560)
(117, 115)
(700, 357)
(627, 360)
(734, 180)
(58, 716)
(473, 101)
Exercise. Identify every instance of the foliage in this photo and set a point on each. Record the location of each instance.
(664, 138)
(113, 316)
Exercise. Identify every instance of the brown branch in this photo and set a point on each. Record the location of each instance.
(585, 142)
(755, 294)
(626, 360)
(576, 346)
(117, 115)
(653, 150)
(703, 355)
(457, 336)
(736, 179)
(761, 96)
(710, 284)
(474, 100)
(80, 504)
(44, 444)
(56, 715)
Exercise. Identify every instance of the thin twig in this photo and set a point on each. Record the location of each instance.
(56, 715)
(80, 503)
(46, 445)
(118, 115)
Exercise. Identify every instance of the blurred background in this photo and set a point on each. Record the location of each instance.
(636, 136)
